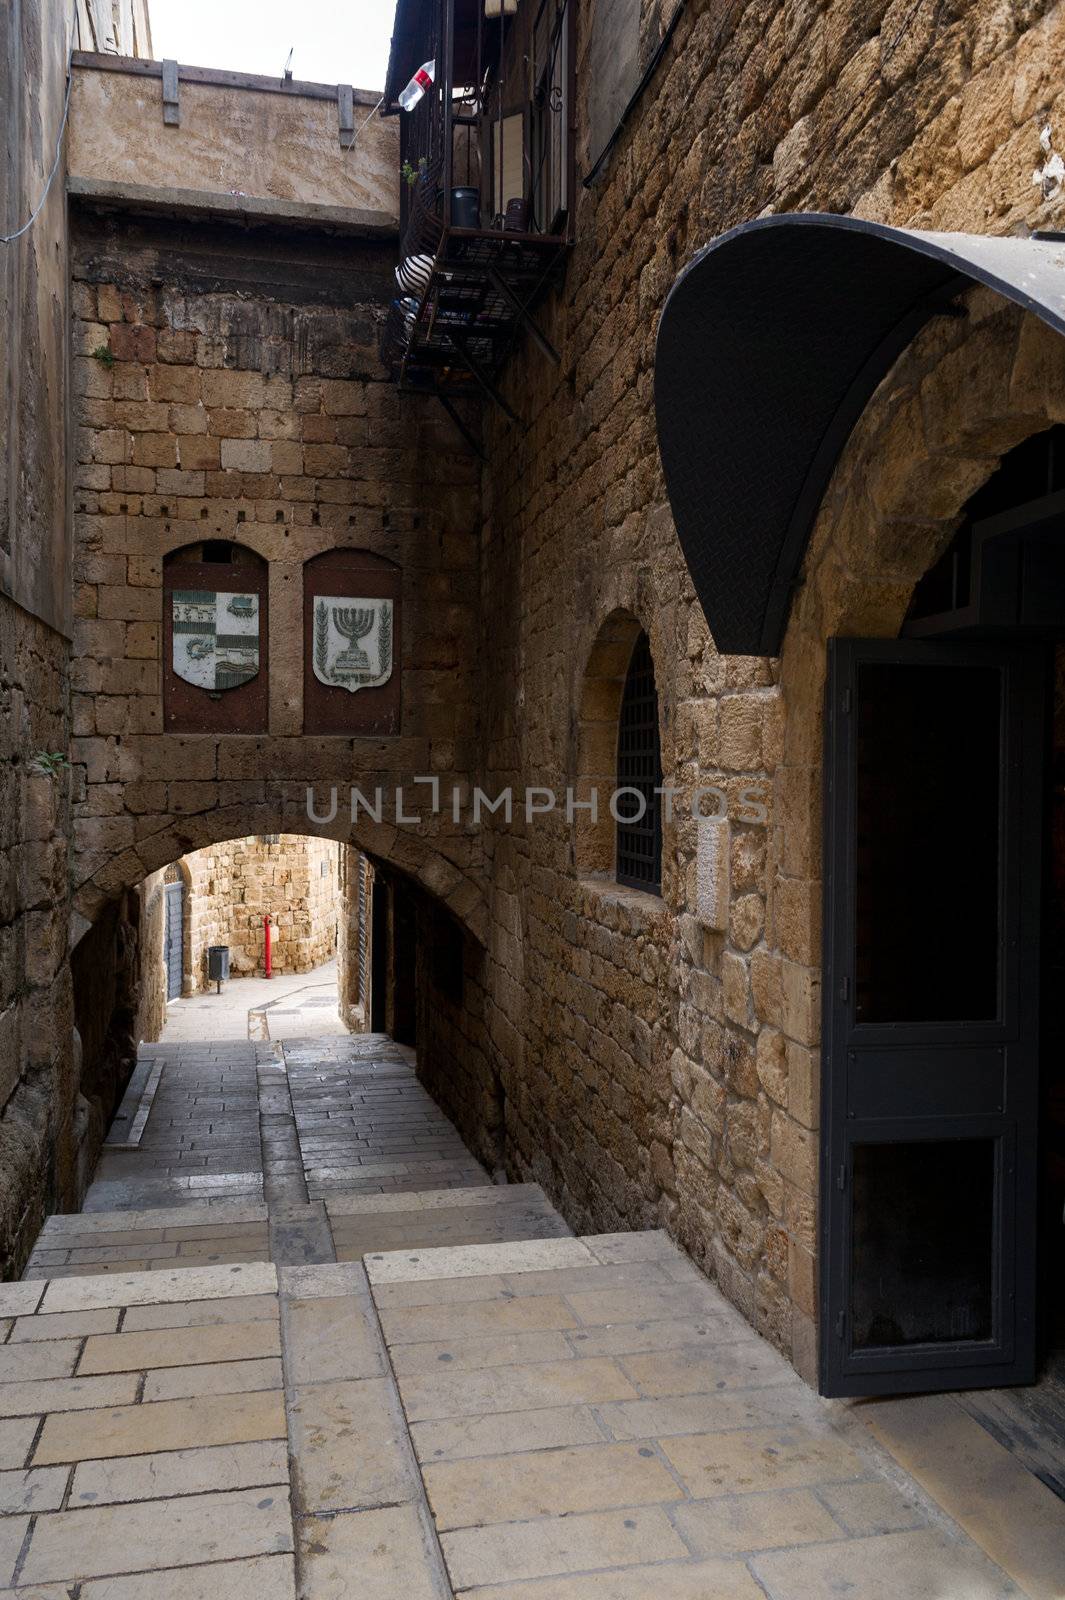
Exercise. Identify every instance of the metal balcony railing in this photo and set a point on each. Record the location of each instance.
(486, 180)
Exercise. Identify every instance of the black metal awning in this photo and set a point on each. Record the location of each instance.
(771, 342)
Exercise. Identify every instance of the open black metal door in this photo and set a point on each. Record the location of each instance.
(932, 850)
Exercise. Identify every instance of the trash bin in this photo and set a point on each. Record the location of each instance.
(218, 963)
(465, 208)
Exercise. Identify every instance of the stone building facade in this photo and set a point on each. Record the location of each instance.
(49, 1131)
(651, 1058)
(258, 419)
(653, 1067)
(232, 886)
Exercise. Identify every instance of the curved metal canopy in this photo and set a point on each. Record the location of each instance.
(770, 344)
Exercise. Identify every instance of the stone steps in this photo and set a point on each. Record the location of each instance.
(352, 1225)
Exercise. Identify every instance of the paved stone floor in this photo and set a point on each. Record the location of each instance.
(288, 1006)
(363, 1370)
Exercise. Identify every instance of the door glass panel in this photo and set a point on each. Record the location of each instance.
(927, 868)
(922, 1246)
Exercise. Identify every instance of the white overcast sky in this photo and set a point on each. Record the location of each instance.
(334, 43)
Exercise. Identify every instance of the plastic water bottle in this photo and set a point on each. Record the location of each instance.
(417, 86)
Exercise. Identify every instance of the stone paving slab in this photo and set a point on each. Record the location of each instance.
(475, 1319)
(138, 1429)
(134, 1538)
(80, 1222)
(330, 1339)
(695, 1580)
(390, 1549)
(718, 1474)
(923, 1562)
(163, 1473)
(348, 1443)
(212, 1378)
(258, 1578)
(555, 1482)
(199, 1313)
(477, 1260)
(155, 1288)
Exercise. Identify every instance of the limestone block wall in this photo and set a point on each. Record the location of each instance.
(151, 977)
(454, 1056)
(40, 1130)
(656, 1069)
(241, 143)
(229, 387)
(355, 938)
(232, 886)
(119, 988)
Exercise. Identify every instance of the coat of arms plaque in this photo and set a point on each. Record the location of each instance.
(352, 641)
(215, 637)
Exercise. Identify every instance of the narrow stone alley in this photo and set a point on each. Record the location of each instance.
(299, 1344)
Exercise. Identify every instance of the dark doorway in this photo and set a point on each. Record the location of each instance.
(404, 965)
(379, 944)
(173, 938)
(943, 1176)
(931, 998)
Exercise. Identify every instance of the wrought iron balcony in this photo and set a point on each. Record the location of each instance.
(487, 180)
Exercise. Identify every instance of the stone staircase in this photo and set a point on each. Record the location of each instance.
(299, 1347)
(200, 1234)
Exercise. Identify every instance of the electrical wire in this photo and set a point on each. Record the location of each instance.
(358, 130)
(9, 238)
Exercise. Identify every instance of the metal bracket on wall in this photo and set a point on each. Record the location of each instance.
(171, 93)
(480, 376)
(521, 311)
(345, 111)
(460, 425)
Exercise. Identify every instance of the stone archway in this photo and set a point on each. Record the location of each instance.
(405, 848)
(963, 394)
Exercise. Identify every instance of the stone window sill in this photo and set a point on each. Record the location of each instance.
(614, 905)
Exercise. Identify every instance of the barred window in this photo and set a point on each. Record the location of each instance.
(639, 834)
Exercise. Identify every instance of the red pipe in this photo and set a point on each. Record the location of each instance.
(267, 969)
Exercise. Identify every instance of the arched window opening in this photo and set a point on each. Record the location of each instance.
(639, 776)
(1003, 566)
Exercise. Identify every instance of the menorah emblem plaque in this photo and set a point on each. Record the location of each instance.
(352, 641)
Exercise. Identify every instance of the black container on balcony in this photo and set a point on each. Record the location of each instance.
(465, 208)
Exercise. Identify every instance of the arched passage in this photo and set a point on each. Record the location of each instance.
(408, 849)
(390, 927)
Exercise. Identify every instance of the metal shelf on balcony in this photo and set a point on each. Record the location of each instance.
(478, 298)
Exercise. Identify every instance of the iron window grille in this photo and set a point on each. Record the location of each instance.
(639, 833)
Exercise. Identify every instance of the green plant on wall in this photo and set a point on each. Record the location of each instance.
(50, 763)
(104, 355)
(411, 174)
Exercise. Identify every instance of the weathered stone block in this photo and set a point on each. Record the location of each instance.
(131, 342)
(245, 455)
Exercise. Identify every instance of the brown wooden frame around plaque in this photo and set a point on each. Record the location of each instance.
(367, 712)
(186, 707)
